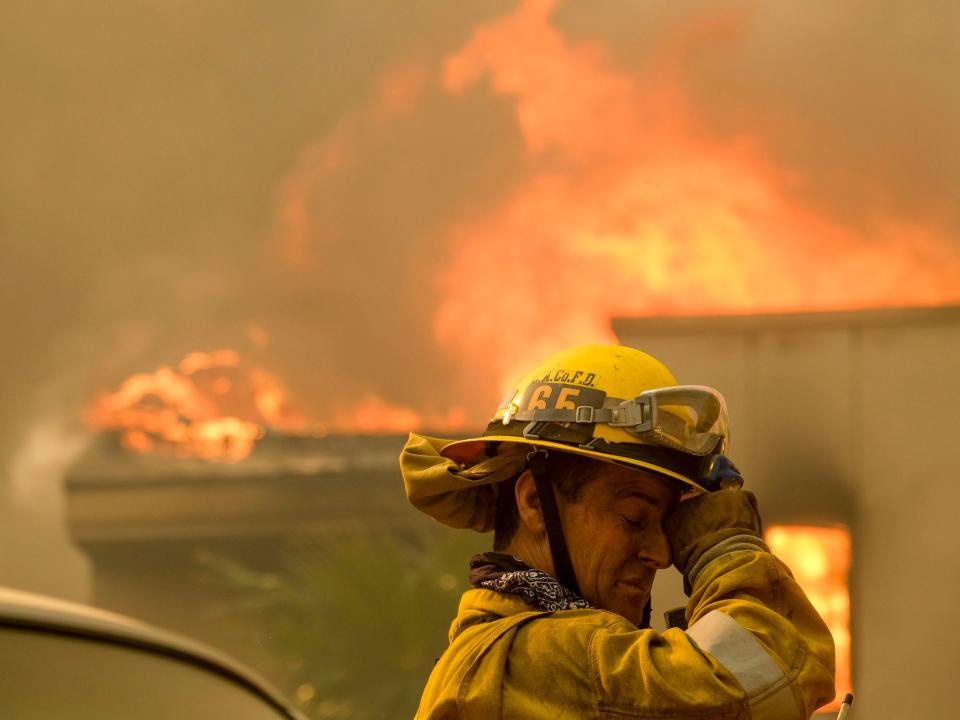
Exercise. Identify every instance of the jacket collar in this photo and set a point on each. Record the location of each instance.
(480, 605)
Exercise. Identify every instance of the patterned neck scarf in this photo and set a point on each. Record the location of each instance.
(508, 574)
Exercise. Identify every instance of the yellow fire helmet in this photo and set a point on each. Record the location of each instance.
(613, 403)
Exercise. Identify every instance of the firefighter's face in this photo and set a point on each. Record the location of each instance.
(615, 536)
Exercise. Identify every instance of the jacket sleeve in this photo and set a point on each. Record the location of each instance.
(755, 647)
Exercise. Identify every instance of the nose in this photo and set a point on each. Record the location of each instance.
(655, 550)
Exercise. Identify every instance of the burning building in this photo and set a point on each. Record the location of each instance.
(835, 418)
(838, 423)
(370, 220)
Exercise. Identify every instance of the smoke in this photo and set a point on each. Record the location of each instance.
(856, 97)
(636, 188)
(317, 186)
(36, 551)
(637, 207)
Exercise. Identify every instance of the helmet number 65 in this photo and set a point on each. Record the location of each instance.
(539, 397)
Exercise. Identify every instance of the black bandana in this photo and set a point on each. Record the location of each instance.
(508, 574)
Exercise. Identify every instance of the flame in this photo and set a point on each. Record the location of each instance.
(211, 406)
(820, 560)
(215, 406)
(620, 202)
(632, 209)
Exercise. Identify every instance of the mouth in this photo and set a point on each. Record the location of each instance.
(635, 587)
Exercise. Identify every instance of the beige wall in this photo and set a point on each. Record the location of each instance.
(850, 417)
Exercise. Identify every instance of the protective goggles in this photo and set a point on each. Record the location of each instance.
(688, 418)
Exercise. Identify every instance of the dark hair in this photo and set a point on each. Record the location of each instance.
(569, 474)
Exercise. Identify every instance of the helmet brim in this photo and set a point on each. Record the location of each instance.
(465, 451)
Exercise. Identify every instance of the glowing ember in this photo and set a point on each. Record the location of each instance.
(210, 406)
(820, 560)
(630, 209)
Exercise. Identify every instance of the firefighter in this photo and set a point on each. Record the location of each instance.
(596, 471)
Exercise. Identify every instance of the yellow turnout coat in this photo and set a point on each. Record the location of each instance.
(755, 648)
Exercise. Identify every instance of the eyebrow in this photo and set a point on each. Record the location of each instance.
(632, 492)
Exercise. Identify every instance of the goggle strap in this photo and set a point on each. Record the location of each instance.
(631, 415)
(639, 415)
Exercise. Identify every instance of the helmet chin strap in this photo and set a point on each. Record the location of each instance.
(537, 464)
(563, 567)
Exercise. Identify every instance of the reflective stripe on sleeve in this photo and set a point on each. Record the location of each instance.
(741, 653)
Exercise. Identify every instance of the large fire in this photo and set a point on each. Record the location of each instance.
(631, 208)
(820, 560)
(215, 406)
(625, 203)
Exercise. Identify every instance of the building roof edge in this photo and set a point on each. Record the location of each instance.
(701, 324)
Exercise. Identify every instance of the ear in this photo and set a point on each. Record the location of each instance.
(528, 503)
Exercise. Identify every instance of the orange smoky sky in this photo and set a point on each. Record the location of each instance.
(626, 199)
(394, 207)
